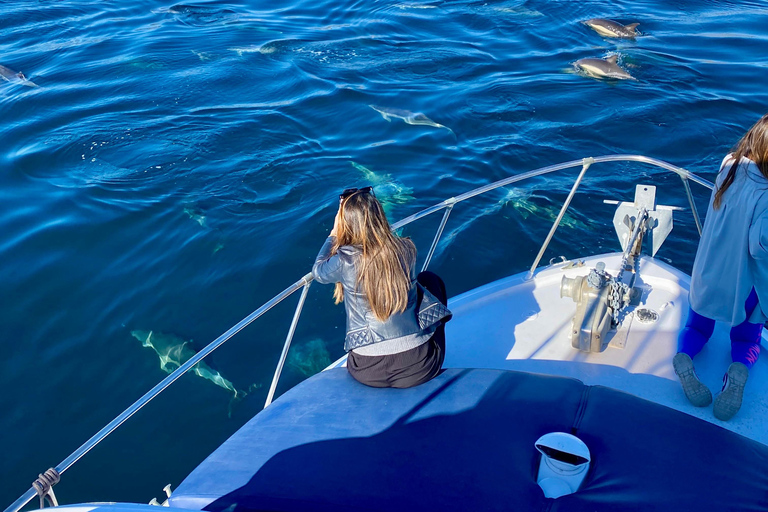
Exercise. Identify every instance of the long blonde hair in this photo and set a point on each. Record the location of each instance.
(753, 145)
(384, 270)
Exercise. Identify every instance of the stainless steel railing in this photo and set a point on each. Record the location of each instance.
(304, 283)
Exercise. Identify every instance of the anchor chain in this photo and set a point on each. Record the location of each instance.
(44, 487)
(619, 294)
(619, 298)
(598, 277)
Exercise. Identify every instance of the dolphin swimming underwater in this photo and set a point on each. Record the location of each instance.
(520, 199)
(11, 76)
(388, 190)
(309, 358)
(603, 68)
(196, 214)
(525, 203)
(520, 11)
(414, 118)
(608, 28)
(200, 15)
(198, 10)
(203, 56)
(174, 351)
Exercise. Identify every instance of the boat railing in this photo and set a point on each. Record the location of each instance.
(42, 486)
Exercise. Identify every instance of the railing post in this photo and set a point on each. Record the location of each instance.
(695, 212)
(451, 202)
(586, 163)
(287, 345)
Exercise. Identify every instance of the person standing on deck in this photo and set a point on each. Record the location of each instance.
(395, 323)
(729, 282)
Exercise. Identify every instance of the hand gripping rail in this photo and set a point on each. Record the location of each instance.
(306, 280)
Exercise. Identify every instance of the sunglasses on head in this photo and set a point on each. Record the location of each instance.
(350, 191)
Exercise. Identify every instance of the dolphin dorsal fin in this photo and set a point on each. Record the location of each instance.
(612, 59)
(631, 27)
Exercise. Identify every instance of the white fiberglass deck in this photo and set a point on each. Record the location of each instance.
(519, 324)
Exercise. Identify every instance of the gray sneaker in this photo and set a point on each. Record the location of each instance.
(696, 392)
(728, 402)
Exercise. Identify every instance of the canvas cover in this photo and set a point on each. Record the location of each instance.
(465, 441)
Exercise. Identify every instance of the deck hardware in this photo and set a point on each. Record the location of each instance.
(602, 299)
(553, 261)
(44, 487)
(573, 264)
(592, 320)
(168, 492)
(619, 340)
(646, 315)
(658, 224)
(598, 277)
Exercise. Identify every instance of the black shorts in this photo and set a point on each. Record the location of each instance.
(409, 368)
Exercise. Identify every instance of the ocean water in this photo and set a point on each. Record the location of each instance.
(179, 165)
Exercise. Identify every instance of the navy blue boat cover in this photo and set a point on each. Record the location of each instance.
(464, 442)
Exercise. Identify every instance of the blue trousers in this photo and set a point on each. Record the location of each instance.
(745, 337)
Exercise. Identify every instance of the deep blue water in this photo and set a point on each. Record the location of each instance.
(178, 166)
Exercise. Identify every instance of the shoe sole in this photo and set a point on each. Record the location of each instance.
(696, 392)
(728, 402)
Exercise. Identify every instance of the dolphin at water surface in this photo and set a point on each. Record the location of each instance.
(603, 68)
(608, 28)
(11, 76)
(414, 118)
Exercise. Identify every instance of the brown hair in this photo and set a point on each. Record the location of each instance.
(383, 273)
(753, 145)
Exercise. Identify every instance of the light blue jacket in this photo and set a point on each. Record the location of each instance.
(732, 257)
